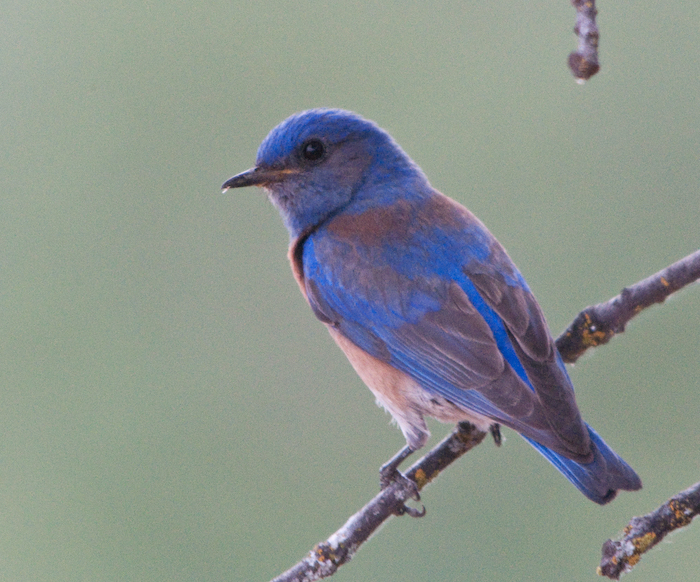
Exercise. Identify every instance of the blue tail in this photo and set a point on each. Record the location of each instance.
(600, 479)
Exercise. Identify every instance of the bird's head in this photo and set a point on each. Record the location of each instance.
(318, 162)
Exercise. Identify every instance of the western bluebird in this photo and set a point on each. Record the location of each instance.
(424, 301)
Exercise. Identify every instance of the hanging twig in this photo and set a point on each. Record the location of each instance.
(584, 62)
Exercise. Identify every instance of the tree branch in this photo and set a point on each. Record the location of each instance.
(328, 556)
(595, 325)
(584, 62)
(643, 533)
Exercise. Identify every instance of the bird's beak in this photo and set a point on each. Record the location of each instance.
(257, 176)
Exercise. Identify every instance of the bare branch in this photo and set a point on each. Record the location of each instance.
(328, 556)
(584, 62)
(643, 533)
(595, 325)
(592, 327)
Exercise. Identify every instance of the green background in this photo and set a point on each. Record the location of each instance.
(169, 407)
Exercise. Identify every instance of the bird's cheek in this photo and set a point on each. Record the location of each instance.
(279, 193)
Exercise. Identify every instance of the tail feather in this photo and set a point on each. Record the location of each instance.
(600, 479)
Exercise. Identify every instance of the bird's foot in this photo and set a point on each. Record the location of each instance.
(389, 474)
(467, 428)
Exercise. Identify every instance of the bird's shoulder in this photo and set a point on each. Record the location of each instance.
(420, 236)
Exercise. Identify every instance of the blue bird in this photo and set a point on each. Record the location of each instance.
(424, 301)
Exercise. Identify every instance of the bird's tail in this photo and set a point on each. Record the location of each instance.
(600, 479)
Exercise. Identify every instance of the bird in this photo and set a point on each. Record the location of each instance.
(426, 304)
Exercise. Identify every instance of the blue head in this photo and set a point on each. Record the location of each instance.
(318, 162)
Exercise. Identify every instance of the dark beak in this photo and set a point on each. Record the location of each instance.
(256, 176)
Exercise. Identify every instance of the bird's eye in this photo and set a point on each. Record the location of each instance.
(313, 150)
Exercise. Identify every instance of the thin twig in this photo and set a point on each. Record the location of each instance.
(584, 62)
(643, 533)
(595, 325)
(338, 549)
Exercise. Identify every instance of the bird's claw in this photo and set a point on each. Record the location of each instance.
(412, 511)
(390, 475)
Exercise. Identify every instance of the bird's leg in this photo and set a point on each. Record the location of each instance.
(389, 473)
(495, 429)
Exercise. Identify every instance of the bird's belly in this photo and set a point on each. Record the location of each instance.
(403, 397)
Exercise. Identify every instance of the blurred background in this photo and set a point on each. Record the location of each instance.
(169, 407)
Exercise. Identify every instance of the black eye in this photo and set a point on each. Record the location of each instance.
(313, 150)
